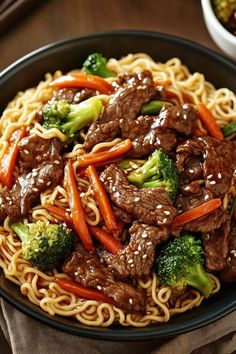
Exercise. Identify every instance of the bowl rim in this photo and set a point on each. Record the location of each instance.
(117, 334)
(211, 18)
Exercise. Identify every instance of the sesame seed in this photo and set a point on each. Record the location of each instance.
(130, 261)
(34, 174)
(209, 176)
(117, 194)
(10, 203)
(185, 106)
(187, 188)
(191, 171)
(82, 194)
(8, 198)
(114, 189)
(149, 243)
(0, 200)
(164, 220)
(229, 259)
(130, 301)
(132, 265)
(159, 206)
(139, 248)
(28, 176)
(213, 182)
(48, 184)
(76, 273)
(26, 152)
(144, 256)
(167, 212)
(219, 175)
(40, 180)
(232, 251)
(57, 162)
(234, 254)
(99, 287)
(206, 197)
(136, 199)
(136, 252)
(35, 189)
(144, 235)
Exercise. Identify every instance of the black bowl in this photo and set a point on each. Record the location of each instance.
(68, 55)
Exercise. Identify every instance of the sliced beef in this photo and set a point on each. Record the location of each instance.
(192, 196)
(136, 259)
(207, 223)
(74, 95)
(121, 214)
(151, 206)
(86, 269)
(206, 158)
(133, 91)
(228, 274)
(40, 165)
(216, 247)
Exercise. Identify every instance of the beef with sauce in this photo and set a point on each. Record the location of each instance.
(74, 95)
(151, 206)
(86, 269)
(228, 274)
(40, 167)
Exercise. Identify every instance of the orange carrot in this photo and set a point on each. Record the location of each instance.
(81, 291)
(8, 161)
(102, 199)
(99, 165)
(106, 239)
(101, 156)
(59, 213)
(163, 83)
(76, 207)
(197, 132)
(83, 80)
(209, 122)
(196, 213)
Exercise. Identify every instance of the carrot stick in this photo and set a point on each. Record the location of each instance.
(197, 132)
(106, 239)
(8, 161)
(99, 165)
(196, 213)
(76, 207)
(59, 213)
(83, 80)
(81, 291)
(102, 199)
(101, 156)
(209, 122)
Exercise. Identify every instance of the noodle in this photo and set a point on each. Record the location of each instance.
(40, 287)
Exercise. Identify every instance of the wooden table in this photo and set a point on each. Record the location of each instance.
(53, 20)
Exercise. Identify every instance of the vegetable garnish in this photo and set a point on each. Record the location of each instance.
(60, 214)
(99, 165)
(76, 207)
(180, 263)
(229, 129)
(93, 158)
(44, 245)
(154, 107)
(163, 83)
(8, 161)
(102, 199)
(83, 80)
(196, 213)
(81, 291)
(96, 64)
(209, 122)
(106, 239)
(70, 118)
(197, 132)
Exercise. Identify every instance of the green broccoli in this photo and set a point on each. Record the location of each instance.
(158, 171)
(44, 245)
(180, 263)
(70, 118)
(95, 64)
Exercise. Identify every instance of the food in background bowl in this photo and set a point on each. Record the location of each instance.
(98, 175)
(226, 13)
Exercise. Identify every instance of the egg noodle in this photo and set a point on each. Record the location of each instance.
(40, 287)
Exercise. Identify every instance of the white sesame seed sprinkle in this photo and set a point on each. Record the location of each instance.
(48, 184)
(40, 180)
(234, 254)
(209, 176)
(164, 220)
(144, 256)
(113, 188)
(206, 197)
(57, 162)
(136, 253)
(139, 248)
(26, 152)
(167, 212)
(99, 287)
(130, 261)
(136, 199)
(213, 182)
(76, 273)
(180, 211)
(35, 189)
(187, 188)
(0, 200)
(144, 235)
(131, 301)
(219, 175)
(159, 206)
(34, 174)
(10, 203)
(191, 171)
(8, 198)
(232, 251)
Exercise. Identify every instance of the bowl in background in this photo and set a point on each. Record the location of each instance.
(225, 40)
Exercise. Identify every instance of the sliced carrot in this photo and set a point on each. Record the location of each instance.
(102, 199)
(197, 132)
(83, 80)
(106, 239)
(101, 156)
(99, 165)
(59, 213)
(76, 207)
(209, 122)
(8, 161)
(81, 291)
(164, 83)
(196, 213)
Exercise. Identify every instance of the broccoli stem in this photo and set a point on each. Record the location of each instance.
(148, 170)
(199, 279)
(153, 184)
(229, 129)
(21, 230)
(154, 107)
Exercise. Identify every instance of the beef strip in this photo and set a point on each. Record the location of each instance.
(121, 214)
(192, 197)
(206, 158)
(133, 91)
(151, 206)
(86, 269)
(136, 259)
(40, 166)
(216, 246)
(228, 274)
(73, 95)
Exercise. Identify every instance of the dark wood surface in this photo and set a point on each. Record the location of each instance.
(53, 20)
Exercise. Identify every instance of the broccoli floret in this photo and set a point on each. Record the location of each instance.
(158, 171)
(180, 263)
(44, 245)
(95, 64)
(70, 118)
